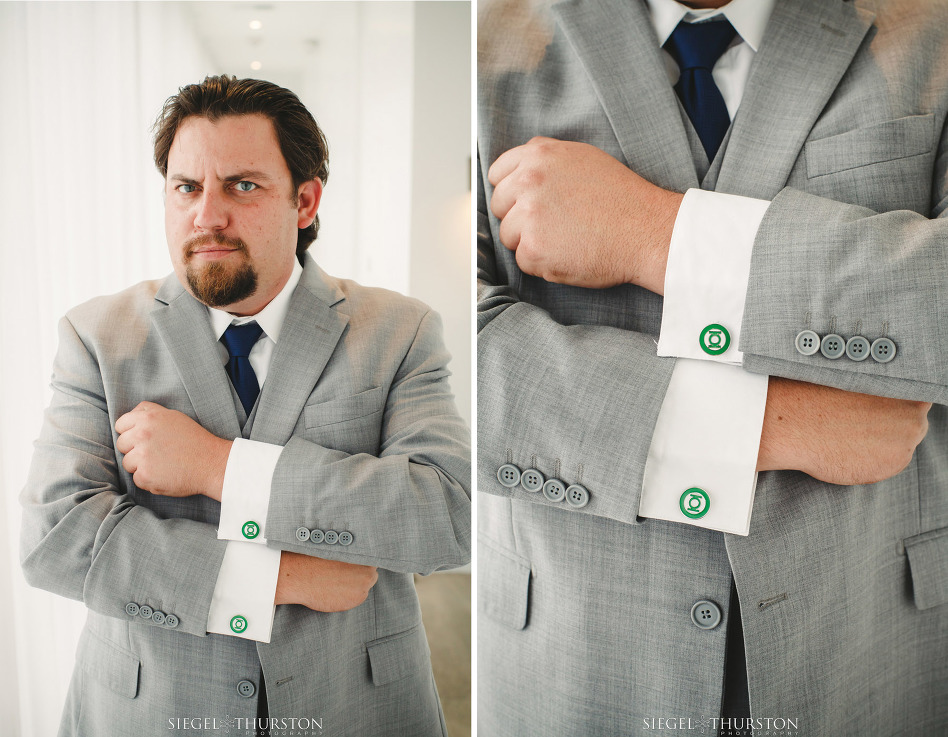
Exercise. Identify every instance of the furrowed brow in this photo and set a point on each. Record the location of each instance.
(254, 176)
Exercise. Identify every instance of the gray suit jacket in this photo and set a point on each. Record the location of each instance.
(585, 625)
(357, 392)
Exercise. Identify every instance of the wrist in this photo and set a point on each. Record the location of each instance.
(652, 259)
(216, 467)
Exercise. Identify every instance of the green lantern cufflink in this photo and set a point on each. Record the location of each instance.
(238, 624)
(694, 503)
(250, 530)
(714, 339)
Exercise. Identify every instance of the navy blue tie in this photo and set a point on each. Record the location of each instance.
(697, 47)
(239, 340)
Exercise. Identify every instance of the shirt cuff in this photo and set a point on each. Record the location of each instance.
(245, 497)
(701, 466)
(709, 260)
(243, 601)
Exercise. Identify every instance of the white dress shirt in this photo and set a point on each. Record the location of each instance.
(708, 432)
(246, 583)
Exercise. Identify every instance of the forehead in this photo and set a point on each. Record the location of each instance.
(241, 142)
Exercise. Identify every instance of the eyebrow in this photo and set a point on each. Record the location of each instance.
(240, 176)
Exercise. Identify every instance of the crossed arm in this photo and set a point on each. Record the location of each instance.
(574, 215)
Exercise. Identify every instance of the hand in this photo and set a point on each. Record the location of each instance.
(838, 436)
(170, 454)
(575, 215)
(323, 585)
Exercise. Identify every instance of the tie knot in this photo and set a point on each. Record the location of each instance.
(239, 339)
(699, 45)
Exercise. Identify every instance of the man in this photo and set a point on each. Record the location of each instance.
(622, 577)
(242, 516)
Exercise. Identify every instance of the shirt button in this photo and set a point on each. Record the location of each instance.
(238, 624)
(705, 615)
(246, 689)
(250, 529)
(807, 342)
(694, 503)
(714, 339)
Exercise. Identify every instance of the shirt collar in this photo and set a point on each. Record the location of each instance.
(749, 18)
(270, 318)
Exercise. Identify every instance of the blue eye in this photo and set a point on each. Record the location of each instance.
(246, 186)
(186, 188)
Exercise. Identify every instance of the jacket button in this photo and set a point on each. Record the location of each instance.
(531, 480)
(857, 348)
(145, 611)
(883, 350)
(577, 496)
(171, 621)
(554, 490)
(508, 475)
(345, 538)
(158, 617)
(332, 537)
(316, 536)
(302, 534)
(807, 342)
(705, 615)
(832, 346)
(246, 689)
(131, 609)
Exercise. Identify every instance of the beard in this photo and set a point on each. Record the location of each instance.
(217, 284)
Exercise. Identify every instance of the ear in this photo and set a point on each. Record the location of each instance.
(308, 195)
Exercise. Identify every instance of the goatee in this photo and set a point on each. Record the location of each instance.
(217, 284)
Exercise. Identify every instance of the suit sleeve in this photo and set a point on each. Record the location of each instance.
(577, 403)
(840, 269)
(84, 537)
(408, 509)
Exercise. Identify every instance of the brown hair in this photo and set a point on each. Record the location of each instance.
(302, 143)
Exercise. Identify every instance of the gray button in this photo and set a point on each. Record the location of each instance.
(316, 536)
(158, 617)
(883, 350)
(246, 689)
(554, 491)
(171, 621)
(807, 342)
(706, 615)
(508, 475)
(832, 346)
(345, 538)
(531, 480)
(145, 611)
(332, 537)
(577, 496)
(302, 534)
(131, 609)
(857, 348)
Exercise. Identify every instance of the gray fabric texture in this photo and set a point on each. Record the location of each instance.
(843, 601)
(358, 393)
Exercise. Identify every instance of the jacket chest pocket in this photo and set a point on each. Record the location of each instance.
(351, 424)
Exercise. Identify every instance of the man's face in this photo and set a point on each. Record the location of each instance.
(231, 212)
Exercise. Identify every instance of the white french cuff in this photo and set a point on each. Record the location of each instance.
(243, 601)
(701, 466)
(245, 498)
(709, 260)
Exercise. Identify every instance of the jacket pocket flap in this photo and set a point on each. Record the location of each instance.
(928, 562)
(893, 139)
(340, 410)
(110, 665)
(503, 593)
(397, 656)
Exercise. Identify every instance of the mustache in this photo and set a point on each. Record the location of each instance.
(218, 239)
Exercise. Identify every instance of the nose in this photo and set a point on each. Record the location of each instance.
(210, 211)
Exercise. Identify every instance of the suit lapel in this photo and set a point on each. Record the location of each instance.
(308, 338)
(616, 43)
(183, 325)
(807, 47)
